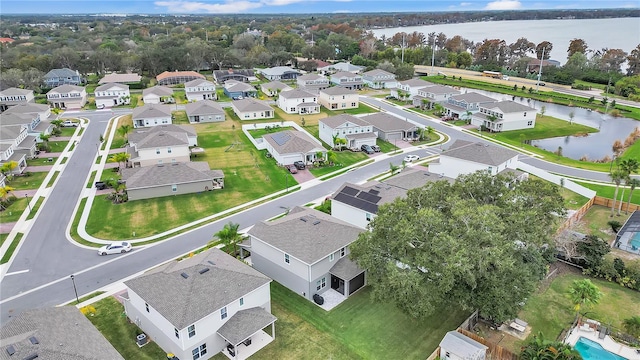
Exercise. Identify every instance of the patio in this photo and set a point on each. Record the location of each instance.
(588, 331)
(332, 299)
(258, 341)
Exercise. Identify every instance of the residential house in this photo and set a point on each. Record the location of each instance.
(341, 66)
(170, 179)
(456, 346)
(505, 116)
(339, 98)
(200, 89)
(279, 73)
(252, 109)
(161, 144)
(204, 111)
(407, 89)
(347, 80)
(42, 111)
(6, 41)
(241, 75)
(67, 97)
(202, 305)
(307, 251)
(463, 106)
(273, 88)
(157, 95)
(178, 77)
(379, 79)
(112, 94)
(16, 145)
(289, 146)
(128, 79)
(14, 96)
(64, 76)
(312, 83)
(31, 122)
(54, 333)
(391, 128)
(533, 66)
(466, 157)
(434, 94)
(356, 131)
(238, 90)
(151, 115)
(298, 102)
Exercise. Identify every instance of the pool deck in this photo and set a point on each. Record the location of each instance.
(607, 343)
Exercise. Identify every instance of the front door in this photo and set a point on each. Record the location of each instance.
(337, 284)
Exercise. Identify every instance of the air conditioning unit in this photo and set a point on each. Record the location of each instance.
(141, 339)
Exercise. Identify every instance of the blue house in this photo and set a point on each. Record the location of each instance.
(65, 76)
(238, 90)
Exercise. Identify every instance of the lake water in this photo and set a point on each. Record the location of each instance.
(622, 33)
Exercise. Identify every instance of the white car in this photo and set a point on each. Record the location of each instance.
(69, 123)
(118, 247)
(411, 158)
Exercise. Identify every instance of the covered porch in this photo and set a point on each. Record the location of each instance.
(244, 333)
(308, 108)
(347, 277)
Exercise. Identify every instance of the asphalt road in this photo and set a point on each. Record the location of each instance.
(46, 258)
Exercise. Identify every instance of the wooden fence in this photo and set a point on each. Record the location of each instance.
(495, 352)
(599, 200)
(575, 217)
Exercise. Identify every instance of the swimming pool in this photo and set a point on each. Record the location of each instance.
(591, 350)
(635, 241)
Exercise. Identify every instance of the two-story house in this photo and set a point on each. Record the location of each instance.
(42, 111)
(434, 94)
(31, 122)
(112, 94)
(379, 79)
(339, 98)
(158, 95)
(407, 89)
(151, 115)
(129, 79)
(177, 77)
(289, 146)
(238, 90)
(14, 96)
(16, 145)
(202, 305)
(390, 128)
(462, 106)
(466, 157)
(341, 66)
(204, 111)
(252, 109)
(273, 88)
(298, 102)
(347, 80)
(64, 76)
(279, 73)
(356, 131)
(307, 251)
(312, 83)
(505, 116)
(161, 144)
(200, 89)
(67, 97)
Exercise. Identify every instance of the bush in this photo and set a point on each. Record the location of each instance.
(615, 225)
(632, 326)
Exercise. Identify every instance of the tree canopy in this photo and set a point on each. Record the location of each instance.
(481, 242)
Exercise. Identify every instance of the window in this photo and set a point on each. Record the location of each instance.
(175, 331)
(169, 150)
(223, 313)
(343, 252)
(146, 306)
(321, 283)
(368, 216)
(241, 301)
(199, 351)
(529, 123)
(286, 258)
(490, 169)
(331, 257)
(174, 188)
(192, 330)
(525, 114)
(157, 151)
(353, 104)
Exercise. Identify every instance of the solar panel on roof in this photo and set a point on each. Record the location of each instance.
(280, 138)
(357, 203)
(368, 197)
(350, 191)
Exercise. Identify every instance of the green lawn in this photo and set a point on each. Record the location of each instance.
(53, 178)
(67, 131)
(41, 161)
(109, 174)
(595, 222)
(3, 237)
(609, 191)
(27, 182)
(111, 321)
(258, 133)
(35, 208)
(573, 201)
(13, 212)
(361, 109)
(57, 146)
(118, 140)
(385, 146)
(14, 244)
(180, 118)
(345, 158)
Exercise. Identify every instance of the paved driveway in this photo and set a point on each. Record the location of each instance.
(303, 176)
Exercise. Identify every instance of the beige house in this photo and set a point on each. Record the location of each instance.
(67, 97)
(339, 98)
(204, 111)
(161, 144)
(158, 95)
(151, 115)
(252, 109)
(14, 96)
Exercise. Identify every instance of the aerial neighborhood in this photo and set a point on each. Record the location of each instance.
(298, 187)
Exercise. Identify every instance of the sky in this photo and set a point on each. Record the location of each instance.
(291, 6)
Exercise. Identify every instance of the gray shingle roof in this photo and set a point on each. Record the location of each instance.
(66, 88)
(508, 106)
(415, 83)
(367, 135)
(245, 323)
(310, 240)
(473, 97)
(440, 89)
(9, 132)
(312, 77)
(108, 86)
(158, 90)
(151, 111)
(204, 107)
(13, 119)
(184, 301)
(343, 66)
(245, 105)
(385, 122)
(120, 78)
(377, 72)
(169, 174)
(275, 85)
(461, 345)
(293, 142)
(28, 108)
(64, 72)
(346, 269)
(338, 90)
(198, 82)
(296, 94)
(235, 86)
(346, 74)
(278, 70)
(479, 153)
(62, 333)
(153, 139)
(335, 121)
(15, 91)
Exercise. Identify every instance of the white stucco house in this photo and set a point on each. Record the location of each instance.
(298, 102)
(342, 66)
(390, 128)
(505, 116)
(289, 146)
(204, 111)
(312, 83)
(203, 305)
(279, 73)
(41, 111)
(356, 131)
(347, 80)
(67, 97)
(379, 79)
(151, 115)
(112, 94)
(273, 88)
(252, 109)
(407, 89)
(463, 106)
(157, 95)
(466, 157)
(200, 89)
(456, 346)
(434, 94)
(339, 98)
(161, 144)
(14, 96)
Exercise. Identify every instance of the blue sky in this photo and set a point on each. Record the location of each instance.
(291, 6)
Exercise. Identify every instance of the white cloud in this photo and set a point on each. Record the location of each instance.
(466, 4)
(175, 6)
(279, 2)
(342, 11)
(342, 0)
(504, 5)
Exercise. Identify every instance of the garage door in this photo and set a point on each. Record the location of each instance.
(356, 283)
(394, 136)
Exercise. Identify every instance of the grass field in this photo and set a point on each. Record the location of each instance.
(27, 182)
(53, 178)
(180, 118)
(14, 211)
(118, 140)
(41, 161)
(57, 146)
(3, 237)
(12, 247)
(609, 191)
(595, 222)
(67, 131)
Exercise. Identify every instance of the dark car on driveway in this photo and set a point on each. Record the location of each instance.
(368, 149)
(292, 169)
(299, 165)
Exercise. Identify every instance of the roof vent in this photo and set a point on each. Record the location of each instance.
(211, 262)
(303, 219)
(34, 341)
(31, 357)
(316, 222)
(203, 270)
(185, 275)
(10, 350)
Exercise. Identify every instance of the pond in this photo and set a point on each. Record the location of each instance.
(594, 146)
